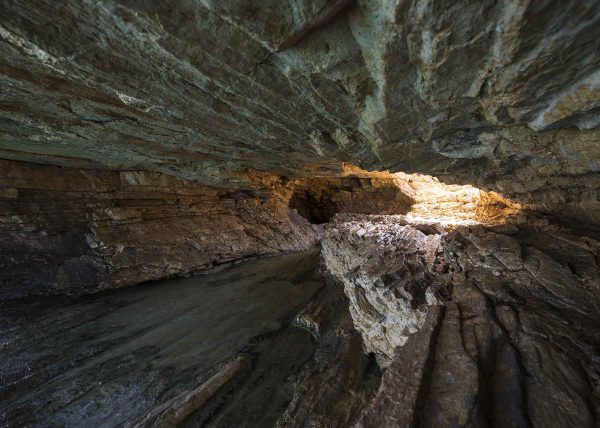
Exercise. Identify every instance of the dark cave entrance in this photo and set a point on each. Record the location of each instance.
(316, 208)
(318, 200)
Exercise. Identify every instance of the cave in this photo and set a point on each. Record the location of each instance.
(316, 211)
(319, 199)
(324, 213)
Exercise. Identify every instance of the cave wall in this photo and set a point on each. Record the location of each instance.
(141, 139)
(478, 325)
(319, 199)
(74, 230)
(71, 230)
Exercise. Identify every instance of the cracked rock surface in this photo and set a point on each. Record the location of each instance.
(507, 333)
(442, 153)
(503, 94)
(70, 230)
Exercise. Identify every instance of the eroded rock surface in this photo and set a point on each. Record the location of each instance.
(141, 139)
(508, 336)
(319, 199)
(72, 230)
(69, 230)
(342, 380)
(503, 94)
(262, 343)
(387, 270)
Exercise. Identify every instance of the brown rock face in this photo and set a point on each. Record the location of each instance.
(507, 333)
(75, 230)
(386, 278)
(319, 199)
(501, 94)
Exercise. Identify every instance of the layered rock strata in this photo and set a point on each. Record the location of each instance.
(387, 272)
(82, 230)
(319, 199)
(498, 323)
(72, 230)
(160, 353)
(343, 379)
(501, 94)
(141, 139)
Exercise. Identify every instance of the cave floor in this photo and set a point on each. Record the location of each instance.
(111, 358)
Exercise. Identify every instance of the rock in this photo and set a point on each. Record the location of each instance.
(84, 230)
(342, 381)
(399, 399)
(444, 152)
(518, 308)
(161, 351)
(176, 410)
(387, 274)
(205, 90)
(74, 230)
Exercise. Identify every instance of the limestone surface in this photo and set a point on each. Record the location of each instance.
(503, 94)
(503, 332)
(443, 153)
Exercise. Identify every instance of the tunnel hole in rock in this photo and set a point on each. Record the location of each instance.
(416, 197)
(314, 210)
(319, 199)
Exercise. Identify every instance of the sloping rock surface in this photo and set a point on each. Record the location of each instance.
(503, 94)
(508, 338)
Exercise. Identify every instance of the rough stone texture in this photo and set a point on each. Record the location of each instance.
(70, 230)
(141, 139)
(399, 400)
(319, 199)
(333, 391)
(387, 271)
(517, 342)
(503, 94)
(80, 230)
(175, 411)
(114, 358)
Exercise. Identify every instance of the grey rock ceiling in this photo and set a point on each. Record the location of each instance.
(504, 93)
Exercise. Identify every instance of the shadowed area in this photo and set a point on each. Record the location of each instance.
(109, 359)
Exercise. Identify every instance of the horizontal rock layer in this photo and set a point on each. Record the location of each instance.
(81, 230)
(65, 229)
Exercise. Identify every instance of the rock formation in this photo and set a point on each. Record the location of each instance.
(478, 326)
(79, 230)
(441, 155)
(496, 93)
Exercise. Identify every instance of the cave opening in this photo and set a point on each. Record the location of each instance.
(317, 209)
(416, 198)
(319, 199)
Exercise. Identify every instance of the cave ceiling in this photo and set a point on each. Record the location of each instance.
(476, 91)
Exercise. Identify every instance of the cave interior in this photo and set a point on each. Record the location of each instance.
(312, 213)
